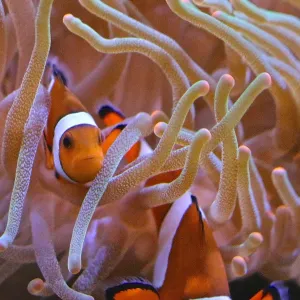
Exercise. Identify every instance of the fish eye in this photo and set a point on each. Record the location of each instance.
(67, 142)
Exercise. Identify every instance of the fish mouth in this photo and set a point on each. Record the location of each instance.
(86, 169)
(89, 158)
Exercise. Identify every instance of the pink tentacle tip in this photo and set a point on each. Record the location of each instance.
(279, 171)
(3, 244)
(216, 14)
(74, 264)
(205, 132)
(229, 79)
(239, 266)
(266, 77)
(283, 211)
(68, 17)
(204, 87)
(244, 151)
(35, 286)
(159, 128)
(256, 239)
(155, 113)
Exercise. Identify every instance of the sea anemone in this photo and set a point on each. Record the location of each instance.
(153, 61)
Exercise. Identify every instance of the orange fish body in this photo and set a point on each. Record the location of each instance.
(188, 264)
(261, 296)
(73, 139)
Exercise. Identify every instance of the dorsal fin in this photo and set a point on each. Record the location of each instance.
(59, 75)
(110, 115)
(63, 102)
(188, 263)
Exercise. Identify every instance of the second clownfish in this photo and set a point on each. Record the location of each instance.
(72, 137)
(188, 264)
(113, 117)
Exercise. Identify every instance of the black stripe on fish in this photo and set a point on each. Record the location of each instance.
(138, 283)
(59, 74)
(120, 126)
(106, 109)
(195, 202)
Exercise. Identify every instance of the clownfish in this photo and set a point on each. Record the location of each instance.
(111, 116)
(134, 288)
(188, 263)
(279, 290)
(73, 141)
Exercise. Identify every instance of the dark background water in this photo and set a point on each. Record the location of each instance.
(244, 289)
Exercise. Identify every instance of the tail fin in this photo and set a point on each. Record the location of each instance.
(134, 288)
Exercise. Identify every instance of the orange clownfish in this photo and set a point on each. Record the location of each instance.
(279, 290)
(73, 139)
(111, 117)
(188, 264)
(134, 288)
